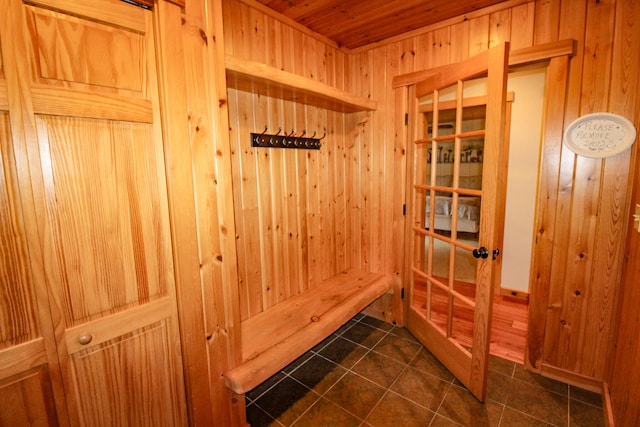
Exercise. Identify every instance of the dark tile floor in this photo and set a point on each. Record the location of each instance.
(370, 373)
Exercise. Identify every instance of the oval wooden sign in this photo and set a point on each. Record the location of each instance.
(599, 135)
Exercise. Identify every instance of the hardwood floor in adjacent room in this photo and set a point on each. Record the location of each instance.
(509, 328)
(509, 322)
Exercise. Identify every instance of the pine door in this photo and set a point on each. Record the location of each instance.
(83, 105)
(456, 203)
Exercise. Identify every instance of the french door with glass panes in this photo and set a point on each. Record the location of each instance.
(457, 171)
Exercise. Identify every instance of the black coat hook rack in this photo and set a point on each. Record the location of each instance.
(284, 140)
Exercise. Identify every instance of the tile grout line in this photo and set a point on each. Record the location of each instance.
(317, 353)
(288, 374)
(569, 406)
(347, 370)
(406, 367)
(451, 384)
(387, 390)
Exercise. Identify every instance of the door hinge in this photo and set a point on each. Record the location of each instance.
(402, 293)
(404, 209)
(141, 4)
(406, 119)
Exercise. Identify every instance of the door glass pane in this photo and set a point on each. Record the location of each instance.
(439, 209)
(471, 171)
(467, 217)
(439, 308)
(419, 300)
(423, 173)
(462, 322)
(465, 265)
(441, 252)
(472, 128)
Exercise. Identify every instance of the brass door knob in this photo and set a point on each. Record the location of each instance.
(85, 339)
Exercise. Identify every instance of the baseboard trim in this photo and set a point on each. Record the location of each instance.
(518, 296)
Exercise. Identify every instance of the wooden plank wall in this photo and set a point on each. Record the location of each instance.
(593, 195)
(364, 162)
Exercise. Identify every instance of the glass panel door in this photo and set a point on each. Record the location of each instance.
(455, 204)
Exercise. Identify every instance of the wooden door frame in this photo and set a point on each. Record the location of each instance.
(540, 274)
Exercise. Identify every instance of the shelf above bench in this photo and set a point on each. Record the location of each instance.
(265, 80)
(279, 335)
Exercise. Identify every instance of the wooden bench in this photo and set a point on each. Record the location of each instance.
(279, 335)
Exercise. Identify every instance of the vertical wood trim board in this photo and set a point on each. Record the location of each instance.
(200, 194)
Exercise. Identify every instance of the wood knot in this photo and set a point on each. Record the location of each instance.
(315, 318)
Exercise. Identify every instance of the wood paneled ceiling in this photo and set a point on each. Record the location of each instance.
(355, 23)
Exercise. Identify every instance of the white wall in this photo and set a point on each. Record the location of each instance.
(524, 158)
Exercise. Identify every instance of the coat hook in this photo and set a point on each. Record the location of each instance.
(259, 139)
(286, 141)
(314, 134)
(271, 139)
(299, 137)
(323, 136)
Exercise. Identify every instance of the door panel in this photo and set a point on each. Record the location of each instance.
(26, 399)
(101, 47)
(18, 316)
(138, 391)
(105, 215)
(457, 158)
(81, 58)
